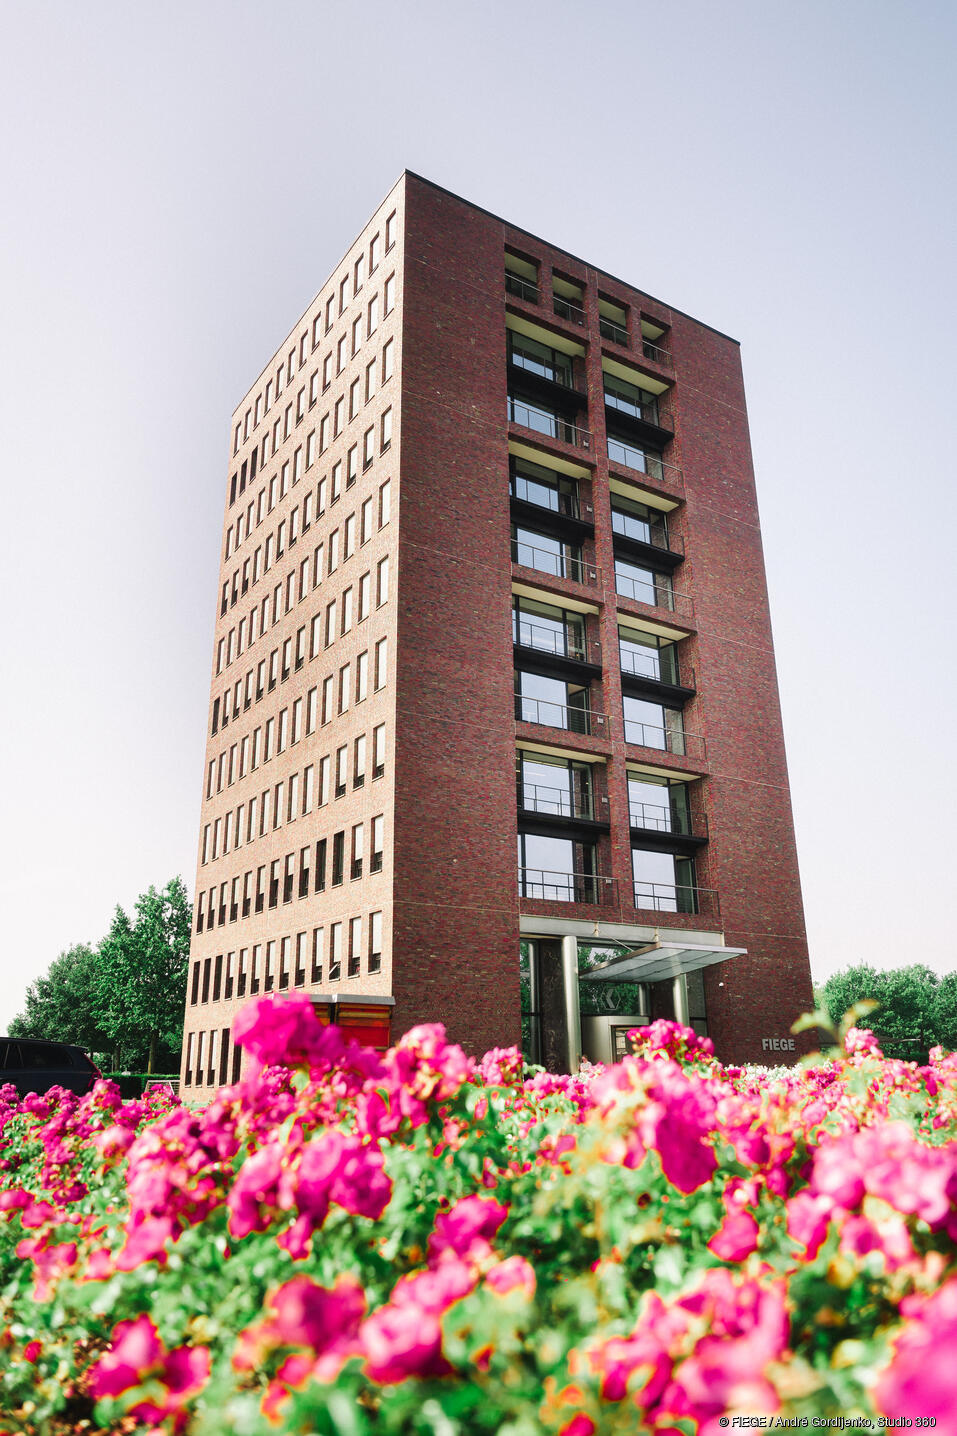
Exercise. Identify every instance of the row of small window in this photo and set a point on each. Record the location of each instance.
(522, 279)
(353, 605)
(347, 289)
(329, 489)
(319, 706)
(293, 797)
(299, 583)
(248, 892)
(317, 442)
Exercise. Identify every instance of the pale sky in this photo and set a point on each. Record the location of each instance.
(179, 179)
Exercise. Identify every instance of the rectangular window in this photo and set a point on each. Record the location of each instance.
(368, 447)
(300, 975)
(292, 804)
(255, 975)
(269, 976)
(333, 550)
(311, 703)
(345, 678)
(362, 677)
(385, 432)
(308, 776)
(382, 582)
(370, 380)
(359, 761)
(335, 952)
(385, 503)
(288, 877)
(388, 297)
(387, 360)
(315, 635)
(352, 466)
(381, 663)
(355, 870)
(346, 611)
(330, 622)
(375, 941)
(327, 695)
(365, 588)
(373, 315)
(349, 537)
(317, 954)
(297, 714)
(320, 881)
(318, 560)
(330, 311)
(324, 766)
(355, 946)
(335, 482)
(378, 750)
(390, 231)
(375, 856)
(375, 252)
(327, 371)
(342, 755)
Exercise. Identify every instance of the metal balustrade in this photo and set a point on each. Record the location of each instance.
(593, 888)
(525, 289)
(675, 897)
(587, 721)
(559, 565)
(630, 456)
(565, 309)
(547, 422)
(656, 353)
(664, 740)
(608, 329)
(658, 592)
(563, 643)
(556, 802)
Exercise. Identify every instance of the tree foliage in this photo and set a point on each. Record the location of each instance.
(125, 997)
(917, 1011)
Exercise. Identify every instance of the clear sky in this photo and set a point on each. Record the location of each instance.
(179, 179)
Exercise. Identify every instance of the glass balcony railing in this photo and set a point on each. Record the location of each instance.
(649, 531)
(651, 817)
(646, 410)
(568, 564)
(656, 664)
(592, 888)
(643, 461)
(547, 422)
(557, 369)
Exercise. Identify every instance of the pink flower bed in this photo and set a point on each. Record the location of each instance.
(349, 1242)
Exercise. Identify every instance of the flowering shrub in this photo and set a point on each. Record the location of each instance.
(347, 1243)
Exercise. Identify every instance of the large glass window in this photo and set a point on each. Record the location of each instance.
(635, 520)
(664, 882)
(652, 725)
(546, 553)
(547, 628)
(658, 804)
(647, 655)
(548, 490)
(551, 701)
(643, 585)
(559, 787)
(540, 359)
(630, 399)
(556, 869)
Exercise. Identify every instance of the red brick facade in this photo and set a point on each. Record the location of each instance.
(447, 887)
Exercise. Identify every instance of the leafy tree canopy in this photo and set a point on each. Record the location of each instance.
(918, 1009)
(125, 997)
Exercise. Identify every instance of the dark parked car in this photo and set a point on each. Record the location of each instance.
(37, 1066)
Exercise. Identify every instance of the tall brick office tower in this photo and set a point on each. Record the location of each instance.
(492, 581)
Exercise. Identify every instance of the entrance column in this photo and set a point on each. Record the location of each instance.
(573, 1021)
(679, 987)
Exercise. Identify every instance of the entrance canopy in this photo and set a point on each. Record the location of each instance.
(656, 961)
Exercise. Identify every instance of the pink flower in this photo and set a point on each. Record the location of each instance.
(861, 1042)
(736, 1238)
(808, 1216)
(32, 1350)
(466, 1227)
(512, 1274)
(136, 1350)
(920, 1376)
(285, 1031)
(345, 1170)
(323, 1320)
(400, 1342)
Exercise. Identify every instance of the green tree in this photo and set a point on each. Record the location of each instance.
(917, 1009)
(63, 1006)
(143, 971)
(126, 996)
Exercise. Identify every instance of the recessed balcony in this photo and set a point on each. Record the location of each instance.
(665, 738)
(655, 589)
(561, 561)
(547, 422)
(630, 455)
(589, 722)
(676, 898)
(592, 888)
(566, 309)
(521, 287)
(556, 639)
